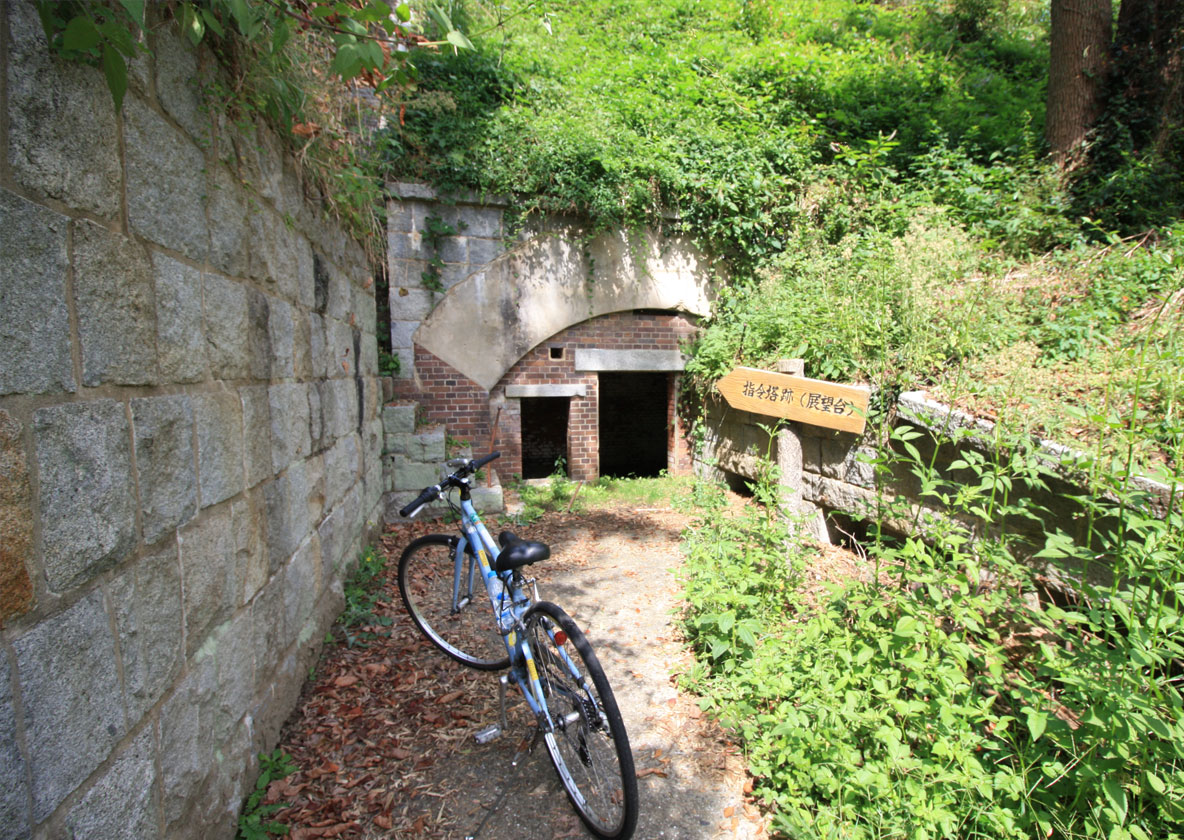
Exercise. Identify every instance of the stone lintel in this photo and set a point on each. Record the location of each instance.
(629, 360)
(410, 190)
(527, 391)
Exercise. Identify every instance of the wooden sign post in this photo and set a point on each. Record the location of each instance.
(842, 407)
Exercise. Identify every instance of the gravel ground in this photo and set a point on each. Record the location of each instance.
(387, 730)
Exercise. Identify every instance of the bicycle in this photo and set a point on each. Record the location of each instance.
(441, 579)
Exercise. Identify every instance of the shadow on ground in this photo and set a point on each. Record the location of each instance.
(385, 735)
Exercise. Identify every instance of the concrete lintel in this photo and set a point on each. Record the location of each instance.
(629, 360)
(413, 191)
(521, 391)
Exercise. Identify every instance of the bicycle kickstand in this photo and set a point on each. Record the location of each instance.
(495, 730)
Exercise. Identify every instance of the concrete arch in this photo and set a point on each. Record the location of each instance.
(554, 280)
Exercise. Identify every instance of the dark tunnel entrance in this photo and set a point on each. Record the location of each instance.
(634, 423)
(544, 435)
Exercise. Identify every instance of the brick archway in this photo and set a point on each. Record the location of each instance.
(496, 315)
(476, 315)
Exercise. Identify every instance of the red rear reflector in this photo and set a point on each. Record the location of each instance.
(560, 638)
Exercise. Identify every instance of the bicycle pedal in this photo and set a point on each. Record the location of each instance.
(488, 734)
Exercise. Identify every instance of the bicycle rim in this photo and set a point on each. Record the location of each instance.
(588, 745)
(462, 626)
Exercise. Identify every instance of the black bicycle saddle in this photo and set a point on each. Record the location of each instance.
(518, 552)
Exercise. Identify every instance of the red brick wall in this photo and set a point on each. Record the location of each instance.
(446, 396)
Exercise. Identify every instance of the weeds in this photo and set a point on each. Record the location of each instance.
(958, 693)
(560, 494)
(363, 593)
(255, 823)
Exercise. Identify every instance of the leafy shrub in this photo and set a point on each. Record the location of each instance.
(740, 574)
(1121, 278)
(940, 700)
(1017, 206)
(363, 593)
(872, 306)
(719, 113)
(255, 823)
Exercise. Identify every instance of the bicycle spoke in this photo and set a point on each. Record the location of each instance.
(587, 742)
(449, 604)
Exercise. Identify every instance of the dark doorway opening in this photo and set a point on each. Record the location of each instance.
(633, 423)
(544, 436)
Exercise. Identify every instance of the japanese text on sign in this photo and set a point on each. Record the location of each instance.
(813, 401)
(809, 400)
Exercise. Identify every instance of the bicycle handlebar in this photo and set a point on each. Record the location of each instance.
(426, 496)
(455, 480)
(480, 462)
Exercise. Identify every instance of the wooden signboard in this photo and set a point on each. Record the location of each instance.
(812, 401)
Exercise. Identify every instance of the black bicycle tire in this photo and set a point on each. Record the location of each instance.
(480, 605)
(616, 725)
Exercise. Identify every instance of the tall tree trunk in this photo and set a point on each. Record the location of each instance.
(1078, 57)
(1147, 77)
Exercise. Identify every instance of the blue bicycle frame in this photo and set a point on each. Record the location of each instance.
(547, 655)
(500, 586)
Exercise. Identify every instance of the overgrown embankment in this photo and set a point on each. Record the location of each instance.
(951, 692)
(873, 177)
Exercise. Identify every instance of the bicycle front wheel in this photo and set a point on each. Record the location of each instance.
(448, 602)
(587, 744)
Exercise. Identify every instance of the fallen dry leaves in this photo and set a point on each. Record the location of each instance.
(371, 724)
(378, 725)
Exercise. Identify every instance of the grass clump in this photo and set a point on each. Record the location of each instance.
(559, 494)
(952, 695)
(1096, 363)
(871, 306)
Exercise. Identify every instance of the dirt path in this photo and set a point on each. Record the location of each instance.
(385, 733)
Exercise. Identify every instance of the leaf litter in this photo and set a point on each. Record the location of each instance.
(384, 730)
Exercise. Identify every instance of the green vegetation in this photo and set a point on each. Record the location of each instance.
(255, 823)
(726, 115)
(363, 593)
(874, 179)
(950, 695)
(295, 65)
(560, 494)
(872, 175)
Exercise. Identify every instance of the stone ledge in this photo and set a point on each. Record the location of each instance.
(529, 391)
(633, 361)
(407, 190)
(916, 407)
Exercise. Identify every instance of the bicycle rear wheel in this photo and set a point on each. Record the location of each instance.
(588, 744)
(449, 605)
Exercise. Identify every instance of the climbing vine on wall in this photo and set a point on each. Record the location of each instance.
(285, 61)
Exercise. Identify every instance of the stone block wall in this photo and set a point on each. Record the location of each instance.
(413, 458)
(477, 241)
(189, 443)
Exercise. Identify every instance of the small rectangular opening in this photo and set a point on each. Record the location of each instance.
(556, 352)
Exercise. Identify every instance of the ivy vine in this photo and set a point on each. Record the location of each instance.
(368, 37)
(435, 230)
(282, 61)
